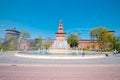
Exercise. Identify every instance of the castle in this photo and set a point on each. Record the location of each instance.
(59, 42)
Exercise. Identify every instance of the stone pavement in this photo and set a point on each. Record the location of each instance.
(17, 68)
(45, 72)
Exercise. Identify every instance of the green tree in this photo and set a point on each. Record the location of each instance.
(115, 43)
(73, 40)
(11, 43)
(39, 42)
(3, 48)
(47, 43)
(101, 35)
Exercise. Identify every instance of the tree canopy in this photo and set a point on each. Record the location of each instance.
(24, 35)
(39, 42)
(101, 35)
(115, 43)
(11, 43)
(73, 40)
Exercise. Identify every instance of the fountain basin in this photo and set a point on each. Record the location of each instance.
(61, 51)
(57, 56)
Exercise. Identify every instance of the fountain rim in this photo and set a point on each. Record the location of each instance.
(56, 57)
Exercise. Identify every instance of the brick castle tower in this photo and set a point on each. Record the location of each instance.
(60, 35)
(60, 42)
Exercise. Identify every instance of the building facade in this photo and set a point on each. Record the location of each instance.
(12, 39)
(10, 33)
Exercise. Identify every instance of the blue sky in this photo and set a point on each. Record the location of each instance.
(41, 17)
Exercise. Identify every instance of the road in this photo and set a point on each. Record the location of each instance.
(61, 72)
(17, 68)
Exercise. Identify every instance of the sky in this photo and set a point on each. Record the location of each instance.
(41, 17)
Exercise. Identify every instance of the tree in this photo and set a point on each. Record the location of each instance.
(47, 43)
(39, 42)
(3, 48)
(11, 43)
(101, 35)
(24, 35)
(115, 43)
(73, 40)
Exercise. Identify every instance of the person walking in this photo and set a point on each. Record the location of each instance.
(83, 53)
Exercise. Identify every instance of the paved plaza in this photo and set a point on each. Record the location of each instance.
(18, 68)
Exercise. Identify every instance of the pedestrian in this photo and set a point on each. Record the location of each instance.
(83, 53)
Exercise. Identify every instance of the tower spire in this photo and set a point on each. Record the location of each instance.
(60, 28)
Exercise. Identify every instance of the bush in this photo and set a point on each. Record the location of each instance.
(4, 48)
(86, 49)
